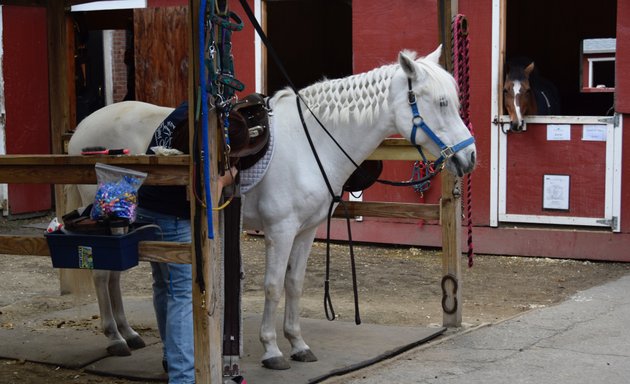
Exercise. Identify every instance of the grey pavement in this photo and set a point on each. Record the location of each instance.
(582, 340)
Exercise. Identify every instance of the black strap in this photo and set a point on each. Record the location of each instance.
(335, 198)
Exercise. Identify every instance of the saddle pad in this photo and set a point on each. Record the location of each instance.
(252, 175)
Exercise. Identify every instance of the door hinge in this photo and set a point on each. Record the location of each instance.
(612, 223)
(614, 120)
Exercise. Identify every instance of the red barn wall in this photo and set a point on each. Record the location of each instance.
(380, 30)
(25, 72)
(622, 101)
(243, 50)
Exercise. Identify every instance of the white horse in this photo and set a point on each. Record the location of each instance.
(292, 199)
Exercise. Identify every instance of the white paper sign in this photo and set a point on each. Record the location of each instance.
(594, 132)
(557, 132)
(556, 192)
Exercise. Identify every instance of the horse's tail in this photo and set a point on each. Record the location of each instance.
(74, 281)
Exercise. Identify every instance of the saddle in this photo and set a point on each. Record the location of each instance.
(248, 130)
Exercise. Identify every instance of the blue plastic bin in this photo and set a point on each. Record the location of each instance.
(109, 252)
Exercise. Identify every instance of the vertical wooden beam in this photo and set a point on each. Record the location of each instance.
(58, 72)
(451, 217)
(207, 307)
(451, 211)
(59, 106)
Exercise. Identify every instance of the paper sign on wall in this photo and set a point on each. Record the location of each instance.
(594, 132)
(556, 192)
(558, 132)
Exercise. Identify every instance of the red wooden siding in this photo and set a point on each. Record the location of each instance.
(243, 50)
(26, 98)
(531, 156)
(380, 30)
(622, 80)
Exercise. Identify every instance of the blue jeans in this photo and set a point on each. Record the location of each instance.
(172, 300)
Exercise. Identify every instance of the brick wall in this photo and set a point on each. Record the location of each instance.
(119, 68)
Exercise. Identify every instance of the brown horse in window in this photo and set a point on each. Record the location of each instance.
(526, 93)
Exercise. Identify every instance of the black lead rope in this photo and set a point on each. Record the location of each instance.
(335, 198)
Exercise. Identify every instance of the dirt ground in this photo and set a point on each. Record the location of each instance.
(397, 285)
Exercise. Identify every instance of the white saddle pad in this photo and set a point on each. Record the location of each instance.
(252, 176)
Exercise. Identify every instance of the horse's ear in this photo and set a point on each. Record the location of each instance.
(435, 55)
(408, 66)
(529, 69)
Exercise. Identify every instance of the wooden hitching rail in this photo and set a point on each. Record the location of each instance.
(169, 170)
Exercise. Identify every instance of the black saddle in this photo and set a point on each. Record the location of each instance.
(248, 130)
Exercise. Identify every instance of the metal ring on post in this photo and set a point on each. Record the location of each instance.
(452, 278)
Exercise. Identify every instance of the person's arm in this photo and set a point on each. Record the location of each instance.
(227, 178)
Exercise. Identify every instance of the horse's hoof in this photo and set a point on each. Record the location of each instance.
(277, 363)
(119, 349)
(136, 342)
(305, 356)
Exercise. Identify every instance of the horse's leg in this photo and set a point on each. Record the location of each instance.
(278, 245)
(133, 339)
(117, 344)
(293, 284)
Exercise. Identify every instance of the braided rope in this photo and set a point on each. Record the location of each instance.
(461, 45)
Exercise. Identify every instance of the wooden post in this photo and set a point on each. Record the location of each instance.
(451, 211)
(451, 215)
(59, 108)
(207, 307)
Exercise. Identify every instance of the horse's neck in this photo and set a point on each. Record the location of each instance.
(358, 139)
(355, 109)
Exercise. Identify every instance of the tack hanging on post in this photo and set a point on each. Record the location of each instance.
(204, 116)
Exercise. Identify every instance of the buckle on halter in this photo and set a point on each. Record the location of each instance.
(411, 97)
(417, 120)
(447, 152)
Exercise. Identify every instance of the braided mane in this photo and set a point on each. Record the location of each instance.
(362, 97)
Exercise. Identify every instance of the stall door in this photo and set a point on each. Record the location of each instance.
(25, 73)
(563, 170)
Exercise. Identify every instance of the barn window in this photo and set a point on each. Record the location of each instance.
(598, 65)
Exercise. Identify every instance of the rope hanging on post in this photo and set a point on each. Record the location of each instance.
(461, 67)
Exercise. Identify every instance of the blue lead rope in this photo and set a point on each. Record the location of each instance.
(205, 156)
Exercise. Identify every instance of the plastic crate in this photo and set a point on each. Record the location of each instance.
(109, 252)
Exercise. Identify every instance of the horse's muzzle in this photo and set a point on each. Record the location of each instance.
(515, 126)
(460, 167)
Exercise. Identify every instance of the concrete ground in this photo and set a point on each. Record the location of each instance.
(340, 346)
(582, 340)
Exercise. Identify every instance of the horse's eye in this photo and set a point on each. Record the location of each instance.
(443, 102)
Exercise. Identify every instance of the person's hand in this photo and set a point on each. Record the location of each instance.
(227, 178)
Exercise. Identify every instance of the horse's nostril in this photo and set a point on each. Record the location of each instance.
(472, 158)
(515, 127)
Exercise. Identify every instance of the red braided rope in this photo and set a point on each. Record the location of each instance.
(461, 45)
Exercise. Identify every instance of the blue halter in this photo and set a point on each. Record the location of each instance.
(418, 122)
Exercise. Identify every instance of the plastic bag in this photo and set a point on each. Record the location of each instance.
(117, 193)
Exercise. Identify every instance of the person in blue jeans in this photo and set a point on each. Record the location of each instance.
(172, 291)
(169, 208)
(172, 300)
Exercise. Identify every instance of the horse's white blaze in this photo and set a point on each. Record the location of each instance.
(517, 106)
